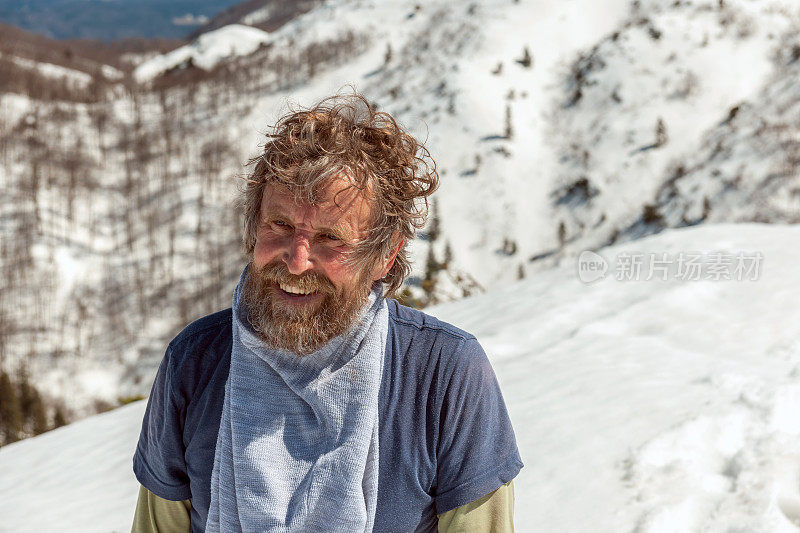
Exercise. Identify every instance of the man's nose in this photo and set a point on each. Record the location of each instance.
(298, 256)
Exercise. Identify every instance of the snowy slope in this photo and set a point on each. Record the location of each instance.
(646, 406)
(80, 475)
(690, 66)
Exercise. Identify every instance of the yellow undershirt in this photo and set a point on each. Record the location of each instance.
(494, 513)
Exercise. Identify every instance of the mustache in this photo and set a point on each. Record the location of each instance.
(309, 281)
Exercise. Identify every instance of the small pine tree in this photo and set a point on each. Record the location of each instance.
(435, 226)
(387, 57)
(527, 59)
(34, 416)
(520, 271)
(509, 128)
(448, 254)
(509, 246)
(661, 133)
(706, 208)
(25, 391)
(562, 233)
(10, 411)
(651, 215)
(59, 417)
(429, 286)
(38, 418)
(406, 297)
(432, 267)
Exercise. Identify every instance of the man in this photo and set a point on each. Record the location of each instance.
(316, 403)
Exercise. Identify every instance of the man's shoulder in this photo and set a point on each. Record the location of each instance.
(414, 324)
(205, 340)
(209, 325)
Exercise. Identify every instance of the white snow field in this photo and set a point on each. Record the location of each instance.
(639, 406)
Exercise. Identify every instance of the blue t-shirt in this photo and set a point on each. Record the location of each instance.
(445, 438)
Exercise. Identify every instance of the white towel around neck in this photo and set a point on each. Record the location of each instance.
(297, 448)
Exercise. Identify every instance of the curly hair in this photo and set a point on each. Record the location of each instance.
(345, 135)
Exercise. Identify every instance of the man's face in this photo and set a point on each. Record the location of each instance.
(301, 291)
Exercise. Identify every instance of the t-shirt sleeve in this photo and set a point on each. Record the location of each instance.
(493, 512)
(159, 462)
(477, 451)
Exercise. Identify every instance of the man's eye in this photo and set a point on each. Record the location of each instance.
(330, 237)
(280, 224)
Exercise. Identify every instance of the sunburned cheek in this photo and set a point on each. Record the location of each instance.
(265, 250)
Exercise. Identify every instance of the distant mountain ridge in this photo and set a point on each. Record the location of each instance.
(111, 19)
(268, 15)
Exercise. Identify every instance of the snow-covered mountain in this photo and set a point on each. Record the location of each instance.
(205, 52)
(558, 126)
(649, 406)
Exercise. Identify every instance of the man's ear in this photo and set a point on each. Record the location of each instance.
(390, 260)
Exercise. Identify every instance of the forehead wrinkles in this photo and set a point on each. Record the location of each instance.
(338, 203)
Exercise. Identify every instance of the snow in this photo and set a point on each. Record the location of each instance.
(206, 51)
(259, 15)
(72, 76)
(647, 406)
(79, 476)
(111, 73)
(652, 405)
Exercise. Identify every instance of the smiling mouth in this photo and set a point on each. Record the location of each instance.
(294, 290)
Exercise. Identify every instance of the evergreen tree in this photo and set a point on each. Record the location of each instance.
(34, 416)
(59, 417)
(509, 246)
(24, 391)
(448, 254)
(388, 55)
(562, 233)
(406, 297)
(432, 267)
(527, 59)
(10, 411)
(434, 229)
(509, 128)
(38, 419)
(661, 133)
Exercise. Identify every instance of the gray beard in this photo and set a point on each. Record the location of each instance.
(306, 330)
